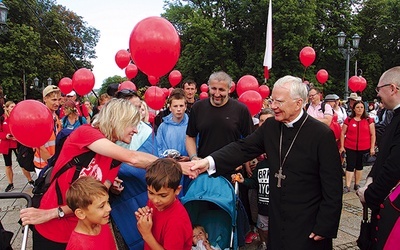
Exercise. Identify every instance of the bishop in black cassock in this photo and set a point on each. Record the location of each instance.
(304, 212)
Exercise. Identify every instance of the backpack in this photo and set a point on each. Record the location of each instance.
(335, 126)
(25, 157)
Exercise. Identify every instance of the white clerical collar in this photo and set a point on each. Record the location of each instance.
(397, 106)
(290, 124)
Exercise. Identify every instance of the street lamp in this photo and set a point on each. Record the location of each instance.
(3, 17)
(36, 83)
(347, 53)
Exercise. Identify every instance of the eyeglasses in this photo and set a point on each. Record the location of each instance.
(276, 102)
(379, 87)
(312, 95)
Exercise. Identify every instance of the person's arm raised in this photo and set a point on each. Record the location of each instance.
(135, 158)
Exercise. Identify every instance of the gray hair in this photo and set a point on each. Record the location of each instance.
(220, 76)
(297, 88)
(115, 117)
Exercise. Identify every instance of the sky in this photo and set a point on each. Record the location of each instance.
(115, 20)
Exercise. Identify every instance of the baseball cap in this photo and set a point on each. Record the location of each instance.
(50, 89)
(331, 97)
(72, 93)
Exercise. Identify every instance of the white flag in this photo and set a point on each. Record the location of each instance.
(268, 39)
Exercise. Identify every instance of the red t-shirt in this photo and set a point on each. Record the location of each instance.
(172, 227)
(358, 136)
(59, 230)
(103, 241)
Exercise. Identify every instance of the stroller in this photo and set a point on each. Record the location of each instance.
(212, 202)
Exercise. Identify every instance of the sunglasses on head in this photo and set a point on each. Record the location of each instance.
(123, 93)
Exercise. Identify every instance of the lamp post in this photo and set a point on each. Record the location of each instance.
(347, 53)
(3, 17)
(36, 82)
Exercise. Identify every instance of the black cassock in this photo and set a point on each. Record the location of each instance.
(310, 199)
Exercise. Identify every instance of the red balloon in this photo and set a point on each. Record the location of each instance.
(122, 58)
(155, 46)
(83, 81)
(203, 95)
(253, 100)
(354, 83)
(322, 76)
(152, 117)
(174, 77)
(154, 97)
(264, 91)
(131, 71)
(65, 85)
(247, 82)
(232, 87)
(307, 56)
(31, 123)
(166, 92)
(153, 80)
(127, 85)
(204, 87)
(362, 84)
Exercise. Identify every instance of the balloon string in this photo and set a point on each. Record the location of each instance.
(304, 74)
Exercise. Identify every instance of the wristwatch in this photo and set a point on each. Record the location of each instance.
(60, 213)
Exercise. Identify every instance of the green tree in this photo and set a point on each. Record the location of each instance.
(44, 40)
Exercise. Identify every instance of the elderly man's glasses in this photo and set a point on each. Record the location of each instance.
(379, 87)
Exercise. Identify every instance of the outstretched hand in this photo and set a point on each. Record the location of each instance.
(199, 167)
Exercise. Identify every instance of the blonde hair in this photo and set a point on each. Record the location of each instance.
(146, 112)
(6, 105)
(115, 117)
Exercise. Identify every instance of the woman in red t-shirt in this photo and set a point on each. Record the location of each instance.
(117, 121)
(356, 139)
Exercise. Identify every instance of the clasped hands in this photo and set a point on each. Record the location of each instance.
(195, 167)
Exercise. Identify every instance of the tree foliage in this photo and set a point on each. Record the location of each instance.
(230, 36)
(43, 40)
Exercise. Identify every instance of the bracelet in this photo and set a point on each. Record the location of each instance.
(192, 156)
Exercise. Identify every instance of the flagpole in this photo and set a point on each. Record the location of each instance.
(268, 44)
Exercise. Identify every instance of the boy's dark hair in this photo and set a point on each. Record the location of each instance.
(164, 172)
(189, 81)
(83, 191)
(176, 94)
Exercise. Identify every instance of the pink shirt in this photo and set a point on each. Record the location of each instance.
(316, 112)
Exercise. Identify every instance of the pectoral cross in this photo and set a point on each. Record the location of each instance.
(280, 177)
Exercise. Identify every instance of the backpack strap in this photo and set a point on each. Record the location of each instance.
(79, 161)
(80, 120)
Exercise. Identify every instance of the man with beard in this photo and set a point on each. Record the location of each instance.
(218, 120)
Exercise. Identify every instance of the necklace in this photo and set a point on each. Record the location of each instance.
(279, 175)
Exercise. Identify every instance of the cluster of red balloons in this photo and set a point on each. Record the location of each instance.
(357, 83)
(82, 82)
(204, 91)
(251, 94)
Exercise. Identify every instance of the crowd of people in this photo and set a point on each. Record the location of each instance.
(288, 164)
